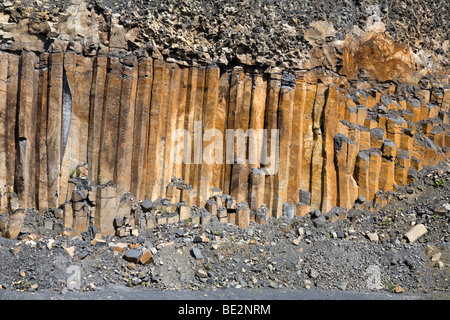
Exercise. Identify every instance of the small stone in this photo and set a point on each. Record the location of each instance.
(31, 243)
(361, 199)
(22, 273)
(446, 206)
(136, 281)
(436, 257)
(197, 253)
(373, 236)
(91, 286)
(181, 233)
(440, 210)
(146, 258)
(70, 251)
(288, 210)
(50, 243)
(83, 255)
(320, 222)
(98, 242)
(317, 213)
(398, 289)
(201, 273)
(132, 255)
(297, 240)
(416, 232)
(118, 247)
(146, 205)
(313, 274)
(342, 285)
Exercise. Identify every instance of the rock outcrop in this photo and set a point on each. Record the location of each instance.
(144, 103)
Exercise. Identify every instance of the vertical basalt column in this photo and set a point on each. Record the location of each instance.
(197, 141)
(354, 135)
(341, 143)
(212, 147)
(364, 143)
(330, 125)
(221, 126)
(126, 126)
(374, 172)
(69, 124)
(75, 118)
(110, 121)
(401, 167)
(141, 127)
(296, 147)
(256, 136)
(317, 148)
(240, 169)
(234, 110)
(394, 129)
(187, 166)
(389, 152)
(284, 118)
(445, 105)
(86, 72)
(308, 140)
(26, 130)
(41, 136)
(96, 114)
(181, 136)
(156, 127)
(418, 151)
(4, 58)
(256, 188)
(362, 173)
(270, 122)
(257, 113)
(55, 93)
(173, 99)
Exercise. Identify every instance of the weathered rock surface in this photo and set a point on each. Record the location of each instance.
(94, 95)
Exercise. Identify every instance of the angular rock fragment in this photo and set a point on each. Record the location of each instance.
(132, 255)
(416, 232)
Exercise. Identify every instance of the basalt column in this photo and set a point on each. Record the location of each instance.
(239, 142)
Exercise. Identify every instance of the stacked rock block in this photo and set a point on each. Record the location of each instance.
(119, 116)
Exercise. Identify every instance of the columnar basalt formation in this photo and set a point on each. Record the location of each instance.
(87, 115)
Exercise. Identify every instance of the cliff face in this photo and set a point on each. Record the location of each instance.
(94, 95)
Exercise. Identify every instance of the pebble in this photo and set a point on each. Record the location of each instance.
(314, 274)
(197, 253)
(201, 273)
(342, 285)
(373, 236)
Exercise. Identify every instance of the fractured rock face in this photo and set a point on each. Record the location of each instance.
(310, 113)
